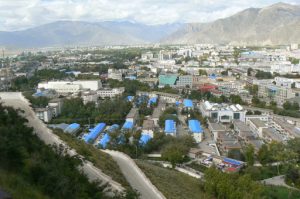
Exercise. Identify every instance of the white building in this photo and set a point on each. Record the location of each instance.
(110, 92)
(71, 86)
(44, 114)
(148, 128)
(56, 106)
(114, 74)
(222, 112)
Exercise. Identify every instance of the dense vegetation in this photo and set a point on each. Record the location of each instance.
(131, 86)
(40, 170)
(23, 83)
(108, 111)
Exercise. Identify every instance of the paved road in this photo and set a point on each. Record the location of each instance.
(135, 176)
(16, 100)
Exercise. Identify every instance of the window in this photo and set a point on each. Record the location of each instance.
(225, 117)
(236, 116)
(214, 115)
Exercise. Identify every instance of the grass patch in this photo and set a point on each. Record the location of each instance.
(197, 167)
(276, 192)
(173, 184)
(18, 187)
(261, 173)
(100, 159)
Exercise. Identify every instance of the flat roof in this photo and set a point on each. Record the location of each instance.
(217, 127)
(258, 123)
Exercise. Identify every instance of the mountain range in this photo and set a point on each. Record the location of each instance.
(275, 24)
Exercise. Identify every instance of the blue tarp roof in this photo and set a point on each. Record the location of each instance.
(232, 161)
(104, 140)
(95, 132)
(170, 126)
(128, 125)
(188, 103)
(152, 100)
(144, 139)
(212, 76)
(130, 98)
(72, 127)
(195, 126)
(131, 77)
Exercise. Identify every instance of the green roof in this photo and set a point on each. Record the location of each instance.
(167, 79)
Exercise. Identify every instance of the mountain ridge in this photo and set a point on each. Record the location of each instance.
(257, 26)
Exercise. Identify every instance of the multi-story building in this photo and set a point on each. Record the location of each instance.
(222, 112)
(110, 92)
(64, 87)
(44, 114)
(169, 79)
(184, 81)
(115, 74)
(275, 93)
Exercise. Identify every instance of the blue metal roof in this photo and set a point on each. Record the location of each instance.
(170, 126)
(145, 139)
(232, 161)
(95, 132)
(195, 126)
(128, 125)
(188, 103)
(72, 127)
(104, 140)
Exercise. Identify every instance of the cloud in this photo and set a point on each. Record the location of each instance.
(21, 14)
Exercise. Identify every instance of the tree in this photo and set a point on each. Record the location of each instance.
(264, 155)
(249, 154)
(249, 71)
(202, 72)
(287, 105)
(173, 153)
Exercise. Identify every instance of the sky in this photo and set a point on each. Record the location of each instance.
(22, 14)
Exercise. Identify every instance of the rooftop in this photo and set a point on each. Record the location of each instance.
(195, 126)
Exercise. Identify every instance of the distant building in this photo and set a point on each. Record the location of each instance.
(72, 128)
(133, 115)
(115, 74)
(56, 106)
(114, 92)
(196, 130)
(44, 114)
(147, 56)
(148, 128)
(64, 87)
(170, 127)
(184, 81)
(169, 80)
(222, 112)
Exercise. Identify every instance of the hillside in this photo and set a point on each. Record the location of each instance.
(276, 24)
(31, 169)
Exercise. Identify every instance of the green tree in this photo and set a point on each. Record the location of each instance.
(174, 153)
(249, 154)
